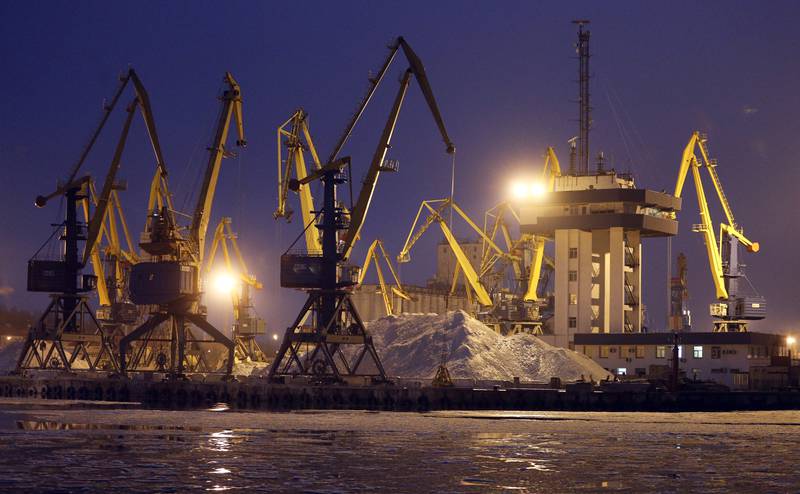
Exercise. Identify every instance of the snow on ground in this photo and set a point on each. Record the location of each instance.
(249, 368)
(411, 346)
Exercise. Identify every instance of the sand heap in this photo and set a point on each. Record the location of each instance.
(410, 346)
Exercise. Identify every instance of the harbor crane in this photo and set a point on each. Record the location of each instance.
(247, 325)
(112, 263)
(517, 311)
(295, 135)
(170, 280)
(505, 312)
(495, 222)
(326, 276)
(375, 253)
(379, 163)
(435, 210)
(68, 331)
(733, 310)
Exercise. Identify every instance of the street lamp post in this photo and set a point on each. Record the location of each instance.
(790, 341)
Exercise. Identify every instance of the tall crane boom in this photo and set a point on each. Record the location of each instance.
(415, 69)
(170, 280)
(295, 135)
(231, 107)
(733, 310)
(422, 78)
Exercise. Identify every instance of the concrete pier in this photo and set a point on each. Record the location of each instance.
(256, 394)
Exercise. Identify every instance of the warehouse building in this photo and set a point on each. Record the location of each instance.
(737, 360)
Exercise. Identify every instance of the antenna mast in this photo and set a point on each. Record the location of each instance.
(584, 109)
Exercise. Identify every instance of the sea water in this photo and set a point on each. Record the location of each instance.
(107, 450)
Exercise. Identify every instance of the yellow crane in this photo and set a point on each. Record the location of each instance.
(295, 135)
(435, 211)
(246, 324)
(495, 222)
(112, 262)
(733, 311)
(505, 312)
(170, 280)
(375, 252)
(379, 163)
(325, 274)
(68, 312)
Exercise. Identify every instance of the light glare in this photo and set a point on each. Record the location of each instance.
(224, 282)
(519, 190)
(525, 190)
(537, 189)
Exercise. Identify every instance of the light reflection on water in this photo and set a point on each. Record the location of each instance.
(146, 451)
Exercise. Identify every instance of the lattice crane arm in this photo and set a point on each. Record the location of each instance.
(295, 131)
(231, 109)
(415, 233)
(101, 206)
(416, 69)
(434, 216)
(416, 66)
(713, 245)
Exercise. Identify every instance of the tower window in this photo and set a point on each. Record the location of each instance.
(572, 322)
(573, 276)
(573, 252)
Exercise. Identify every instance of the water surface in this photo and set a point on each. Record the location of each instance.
(103, 450)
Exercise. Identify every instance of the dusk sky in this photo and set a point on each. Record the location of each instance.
(504, 76)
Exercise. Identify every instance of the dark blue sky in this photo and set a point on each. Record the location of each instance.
(504, 78)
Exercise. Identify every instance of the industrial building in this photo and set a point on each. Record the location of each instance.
(435, 297)
(737, 360)
(423, 300)
(446, 261)
(597, 222)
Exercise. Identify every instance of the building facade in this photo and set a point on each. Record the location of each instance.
(424, 300)
(597, 222)
(446, 261)
(737, 360)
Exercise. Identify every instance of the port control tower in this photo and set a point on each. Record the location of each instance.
(597, 219)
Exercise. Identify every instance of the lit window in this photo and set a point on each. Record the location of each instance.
(661, 351)
(573, 252)
(603, 351)
(573, 299)
(680, 351)
(639, 351)
(697, 352)
(622, 371)
(573, 276)
(572, 322)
